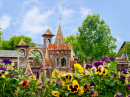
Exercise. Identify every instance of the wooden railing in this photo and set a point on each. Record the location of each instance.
(36, 45)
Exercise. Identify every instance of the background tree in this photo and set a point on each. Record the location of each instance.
(11, 44)
(95, 38)
(125, 49)
(1, 38)
(72, 39)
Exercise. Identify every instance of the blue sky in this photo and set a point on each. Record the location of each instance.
(32, 17)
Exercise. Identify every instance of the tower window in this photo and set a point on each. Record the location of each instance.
(56, 62)
(63, 62)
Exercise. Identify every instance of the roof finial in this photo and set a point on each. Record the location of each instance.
(60, 18)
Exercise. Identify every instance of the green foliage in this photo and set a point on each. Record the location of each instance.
(95, 38)
(72, 39)
(11, 44)
(37, 55)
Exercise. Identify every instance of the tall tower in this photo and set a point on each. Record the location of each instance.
(59, 41)
(47, 38)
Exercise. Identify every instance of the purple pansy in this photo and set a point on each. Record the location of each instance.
(91, 92)
(88, 66)
(3, 69)
(128, 96)
(124, 71)
(41, 84)
(92, 84)
(114, 75)
(56, 81)
(112, 59)
(6, 61)
(32, 74)
(83, 73)
(96, 64)
(119, 95)
(105, 59)
(49, 81)
(12, 76)
(128, 86)
(122, 77)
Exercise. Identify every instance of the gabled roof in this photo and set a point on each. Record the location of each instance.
(11, 53)
(59, 37)
(48, 33)
(22, 42)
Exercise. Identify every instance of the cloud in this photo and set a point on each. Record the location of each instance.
(66, 12)
(28, 2)
(84, 12)
(35, 22)
(118, 39)
(5, 21)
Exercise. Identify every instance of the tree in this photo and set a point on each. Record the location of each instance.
(1, 38)
(95, 38)
(72, 39)
(11, 44)
(125, 49)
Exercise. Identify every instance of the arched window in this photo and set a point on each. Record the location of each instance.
(63, 61)
(22, 51)
(56, 62)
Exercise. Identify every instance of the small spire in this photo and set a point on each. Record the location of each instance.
(28, 69)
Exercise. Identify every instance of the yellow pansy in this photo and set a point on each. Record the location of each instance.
(55, 93)
(54, 73)
(81, 91)
(105, 71)
(69, 77)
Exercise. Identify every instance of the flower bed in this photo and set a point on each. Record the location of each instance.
(100, 79)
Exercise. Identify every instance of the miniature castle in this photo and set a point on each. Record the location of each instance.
(54, 56)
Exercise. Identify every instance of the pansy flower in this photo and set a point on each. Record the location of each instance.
(124, 71)
(55, 73)
(86, 86)
(75, 87)
(6, 61)
(105, 59)
(81, 91)
(119, 95)
(98, 63)
(68, 77)
(3, 72)
(92, 84)
(105, 71)
(99, 70)
(112, 59)
(128, 86)
(91, 92)
(12, 76)
(88, 66)
(122, 77)
(32, 76)
(24, 84)
(55, 93)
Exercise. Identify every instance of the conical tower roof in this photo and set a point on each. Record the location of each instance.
(59, 37)
(22, 42)
(48, 33)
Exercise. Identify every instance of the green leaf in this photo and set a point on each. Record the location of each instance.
(112, 84)
(66, 94)
(107, 81)
(113, 66)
